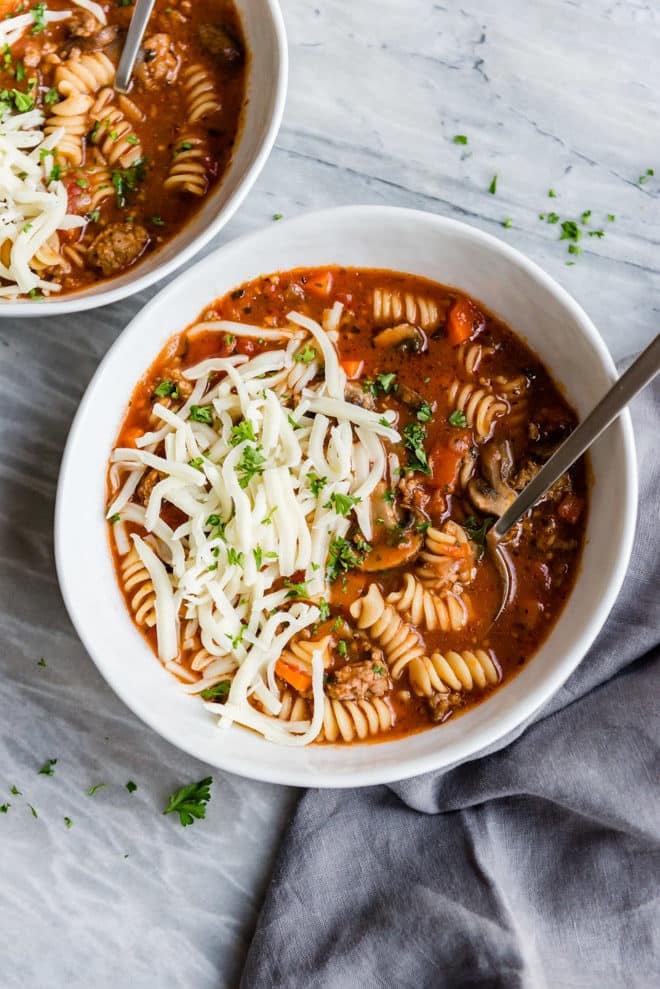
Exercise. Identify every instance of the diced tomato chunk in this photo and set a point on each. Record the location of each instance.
(320, 284)
(445, 462)
(464, 321)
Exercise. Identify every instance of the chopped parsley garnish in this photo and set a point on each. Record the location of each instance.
(20, 72)
(586, 216)
(33, 811)
(611, 217)
(4, 808)
(47, 768)
(250, 465)
(386, 382)
(184, 146)
(306, 355)
(574, 249)
(218, 692)
(158, 221)
(39, 17)
(324, 610)
(570, 230)
(15, 791)
(42, 662)
(457, 419)
(553, 218)
(337, 624)
(277, 216)
(424, 412)
(597, 233)
(51, 96)
(414, 435)
(114, 518)
(341, 558)
(268, 520)
(243, 431)
(202, 413)
(342, 647)
(196, 462)
(421, 527)
(190, 801)
(475, 531)
(507, 223)
(68, 822)
(131, 786)
(389, 496)
(316, 483)
(234, 557)
(296, 590)
(168, 389)
(292, 422)
(258, 555)
(82, 183)
(460, 139)
(126, 180)
(94, 216)
(380, 670)
(34, 293)
(96, 786)
(649, 172)
(552, 194)
(492, 188)
(342, 503)
(238, 638)
(22, 101)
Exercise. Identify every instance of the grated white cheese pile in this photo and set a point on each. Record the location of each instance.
(32, 208)
(243, 475)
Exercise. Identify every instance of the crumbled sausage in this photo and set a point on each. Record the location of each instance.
(160, 63)
(118, 246)
(147, 484)
(356, 681)
(219, 42)
(414, 496)
(442, 704)
(82, 24)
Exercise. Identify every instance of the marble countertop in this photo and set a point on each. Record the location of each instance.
(558, 94)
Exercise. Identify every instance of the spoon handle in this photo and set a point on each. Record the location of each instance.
(638, 375)
(136, 29)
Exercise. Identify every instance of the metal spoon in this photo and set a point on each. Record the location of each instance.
(136, 30)
(638, 375)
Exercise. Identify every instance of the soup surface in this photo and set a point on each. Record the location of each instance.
(91, 180)
(299, 498)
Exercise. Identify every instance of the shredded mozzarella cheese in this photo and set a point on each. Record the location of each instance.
(243, 482)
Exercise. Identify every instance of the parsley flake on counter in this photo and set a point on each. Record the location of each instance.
(586, 216)
(131, 786)
(68, 822)
(33, 811)
(277, 216)
(4, 808)
(190, 801)
(96, 786)
(640, 181)
(42, 662)
(507, 223)
(492, 188)
(457, 419)
(611, 217)
(552, 194)
(15, 791)
(570, 230)
(47, 768)
(460, 139)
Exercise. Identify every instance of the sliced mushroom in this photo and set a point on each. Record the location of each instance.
(491, 493)
(219, 41)
(386, 557)
(356, 395)
(384, 511)
(405, 335)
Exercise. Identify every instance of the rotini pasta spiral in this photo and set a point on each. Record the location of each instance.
(72, 115)
(49, 256)
(470, 354)
(448, 613)
(399, 641)
(459, 671)
(347, 720)
(135, 577)
(480, 406)
(100, 185)
(514, 390)
(201, 96)
(393, 307)
(447, 557)
(85, 74)
(294, 707)
(188, 170)
(112, 132)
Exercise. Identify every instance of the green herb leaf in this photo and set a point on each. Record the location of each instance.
(42, 662)
(386, 382)
(158, 221)
(492, 188)
(507, 223)
(126, 180)
(574, 249)
(202, 413)
(597, 233)
(258, 555)
(268, 519)
(218, 692)
(586, 216)
(341, 558)
(306, 355)
(424, 412)
(4, 808)
(39, 18)
(342, 503)
(250, 465)
(570, 230)
(457, 419)
(168, 389)
(94, 216)
(611, 217)
(96, 786)
(460, 139)
(342, 648)
(68, 822)
(196, 462)
(380, 670)
(475, 530)
(33, 811)
(316, 483)
(131, 786)
(190, 801)
(553, 218)
(234, 557)
(47, 768)
(242, 432)
(277, 216)
(297, 591)
(13, 789)
(552, 194)
(414, 435)
(324, 610)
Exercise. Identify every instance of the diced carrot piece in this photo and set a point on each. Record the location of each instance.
(299, 679)
(444, 463)
(570, 509)
(464, 321)
(353, 369)
(457, 552)
(320, 284)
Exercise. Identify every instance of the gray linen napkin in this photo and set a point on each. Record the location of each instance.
(535, 866)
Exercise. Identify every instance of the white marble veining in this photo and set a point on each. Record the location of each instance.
(556, 94)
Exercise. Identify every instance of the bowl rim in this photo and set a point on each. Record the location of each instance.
(79, 303)
(490, 736)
